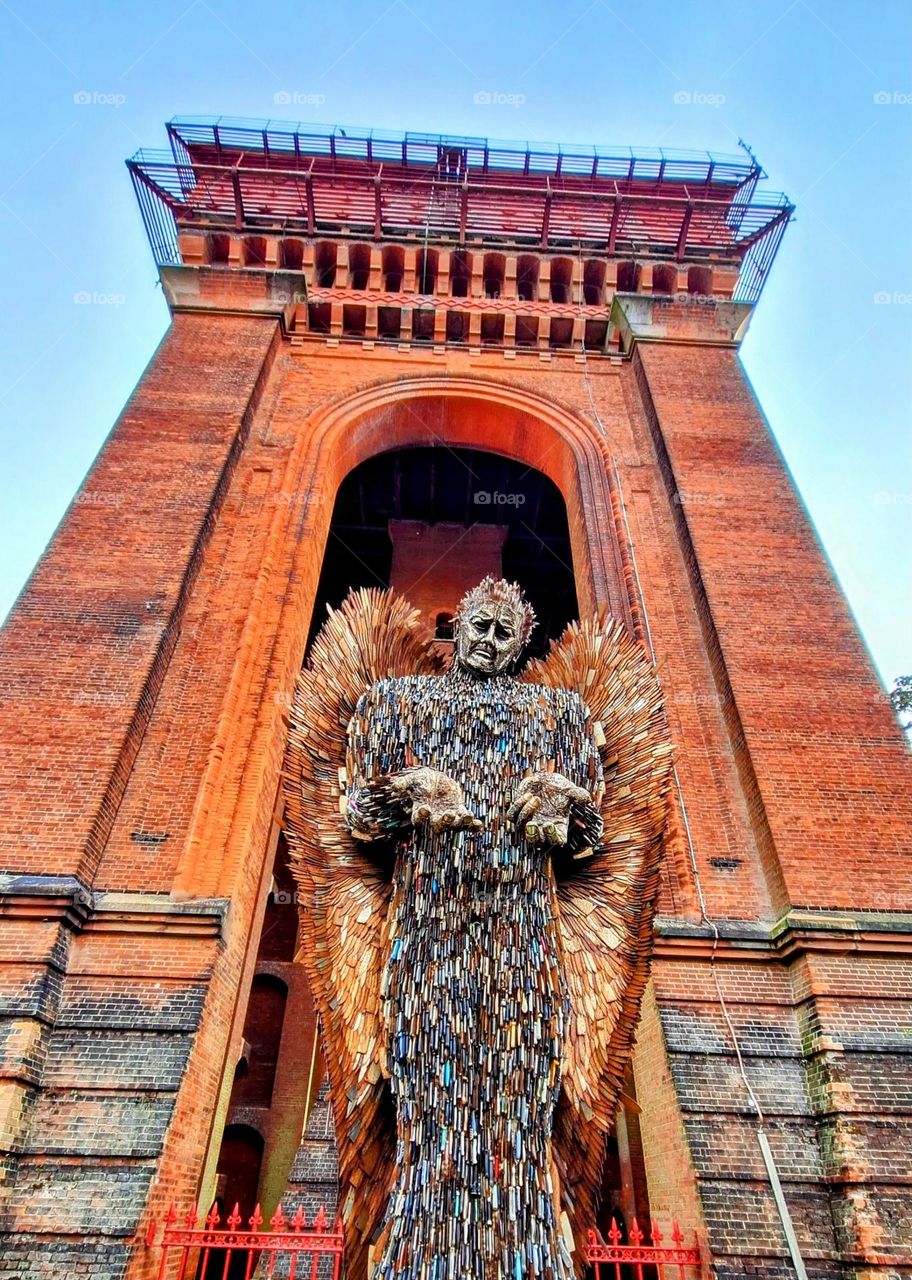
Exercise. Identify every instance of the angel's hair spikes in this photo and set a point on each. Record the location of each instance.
(500, 592)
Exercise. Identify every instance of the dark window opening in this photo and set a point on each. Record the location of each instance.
(457, 326)
(628, 277)
(279, 938)
(319, 317)
(526, 331)
(460, 273)
(263, 1032)
(664, 279)
(594, 283)
(254, 251)
(218, 248)
(494, 271)
(527, 278)
(561, 331)
(359, 262)
(423, 325)
(325, 264)
(596, 335)
(492, 329)
(445, 628)
(438, 485)
(291, 254)
(354, 321)
(426, 270)
(393, 267)
(561, 279)
(389, 323)
(700, 281)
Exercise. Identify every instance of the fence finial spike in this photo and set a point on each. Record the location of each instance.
(234, 1219)
(255, 1221)
(636, 1235)
(321, 1222)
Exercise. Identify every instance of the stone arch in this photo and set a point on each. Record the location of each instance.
(474, 412)
(481, 414)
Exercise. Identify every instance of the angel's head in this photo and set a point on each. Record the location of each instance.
(493, 623)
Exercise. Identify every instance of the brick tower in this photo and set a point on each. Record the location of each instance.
(411, 358)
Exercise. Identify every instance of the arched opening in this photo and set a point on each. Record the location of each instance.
(263, 1033)
(426, 270)
(279, 937)
(325, 255)
(291, 255)
(664, 278)
(254, 251)
(359, 265)
(494, 270)
(218, 248)
(238, 1173)
(432, 521)
(444, 625)
(561, 279)
(460, 273)
(700, 281)
(628, 277)
(527, 277)
(392, 265)
(237, 1182)
(594, 282)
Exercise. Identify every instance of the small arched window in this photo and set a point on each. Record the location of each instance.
(494, 270)
(359, 265)
(527, 277)
(594, 283)
(325, 264)
(254, 251)
(426, 270)
(291, 254)
(700, 281)
(460, 273)
(664, 278)
(628, 277)
(393, 267)
(218, 247)
(561, 279)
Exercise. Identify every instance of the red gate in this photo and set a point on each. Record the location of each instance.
(207, 1252)
(636, 1254)
(215, 1253)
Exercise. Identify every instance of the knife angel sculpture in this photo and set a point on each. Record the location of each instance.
(477, 856)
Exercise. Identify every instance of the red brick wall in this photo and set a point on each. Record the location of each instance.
(148, 667)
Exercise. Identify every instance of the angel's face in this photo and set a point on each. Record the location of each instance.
(488, 639)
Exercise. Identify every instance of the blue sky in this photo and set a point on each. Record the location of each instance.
(821, 91)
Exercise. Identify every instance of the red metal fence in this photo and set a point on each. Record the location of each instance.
(214, 1252)
(612, 1259)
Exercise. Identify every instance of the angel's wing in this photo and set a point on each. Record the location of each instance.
(606, 902)
(345, 891)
